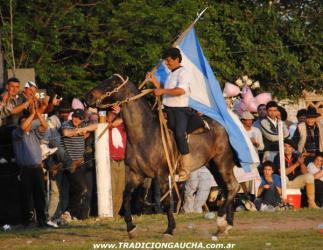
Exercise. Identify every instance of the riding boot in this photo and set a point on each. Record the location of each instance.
(186, 163)
(310, 192)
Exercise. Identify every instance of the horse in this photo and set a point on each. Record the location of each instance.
(145, 156)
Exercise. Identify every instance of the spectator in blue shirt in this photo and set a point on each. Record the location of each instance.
(269, 191)
(26, 144)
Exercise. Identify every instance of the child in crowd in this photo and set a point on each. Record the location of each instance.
(269, 191)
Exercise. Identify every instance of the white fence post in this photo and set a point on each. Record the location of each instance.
(103, 172)
(282, 159)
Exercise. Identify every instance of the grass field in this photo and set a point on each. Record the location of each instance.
(252, 230)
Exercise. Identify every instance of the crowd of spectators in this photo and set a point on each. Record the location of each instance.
(48, 136)
(303, 145)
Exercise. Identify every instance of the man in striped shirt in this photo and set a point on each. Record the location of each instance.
(74, 134)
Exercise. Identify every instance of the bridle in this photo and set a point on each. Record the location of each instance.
(116, 90)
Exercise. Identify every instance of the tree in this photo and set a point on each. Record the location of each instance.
(79, 43)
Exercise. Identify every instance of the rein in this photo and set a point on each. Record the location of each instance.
(116, 90)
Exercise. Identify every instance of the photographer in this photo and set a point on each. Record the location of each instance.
(26, 144)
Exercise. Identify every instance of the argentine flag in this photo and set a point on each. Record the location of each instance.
(206, 97)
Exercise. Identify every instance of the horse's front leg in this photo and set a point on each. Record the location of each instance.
(133, 181)
(169, 211)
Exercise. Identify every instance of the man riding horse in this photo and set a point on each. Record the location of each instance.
(176, 97)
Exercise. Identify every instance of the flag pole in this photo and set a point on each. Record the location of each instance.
(178, 40)
(181, 36)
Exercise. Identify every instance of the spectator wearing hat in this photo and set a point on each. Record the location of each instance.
(301, 117)
(253, 132)
(316, 168)
(269, 130)
(30, 90)
(256, 139)
(309, 135)
(74, 134)
(296, 171)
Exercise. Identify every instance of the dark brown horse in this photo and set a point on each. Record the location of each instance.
(145, 154)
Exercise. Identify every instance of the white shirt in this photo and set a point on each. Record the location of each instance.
(275, 121)
(179, 78)
(256, 134)
(312, 169)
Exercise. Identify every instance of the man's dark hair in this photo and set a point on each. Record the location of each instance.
(260, 105)
(271, 104)
(318, 154)
(13, 79)
(283, 113)
(268, 164)
(173, 53)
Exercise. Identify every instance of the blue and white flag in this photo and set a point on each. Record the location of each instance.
(206, 97)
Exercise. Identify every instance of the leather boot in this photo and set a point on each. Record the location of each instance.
(186, 163)
(310, 192)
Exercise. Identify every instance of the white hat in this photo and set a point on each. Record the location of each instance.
(246, 115)
(30, 84)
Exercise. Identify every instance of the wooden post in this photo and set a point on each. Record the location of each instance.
(103, 172)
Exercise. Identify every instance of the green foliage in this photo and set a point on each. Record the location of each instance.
(79, 43)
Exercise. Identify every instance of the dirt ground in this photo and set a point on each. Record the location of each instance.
(252, 230)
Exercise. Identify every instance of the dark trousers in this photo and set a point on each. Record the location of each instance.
(33, 194)
(271, 196)
(319, 193)
(177, 121)
(80, 192)
(6, 148)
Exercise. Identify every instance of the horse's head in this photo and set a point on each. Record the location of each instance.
(107, 91)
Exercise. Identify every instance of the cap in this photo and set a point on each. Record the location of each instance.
(78, 113)
(246, 115)
(30, 84)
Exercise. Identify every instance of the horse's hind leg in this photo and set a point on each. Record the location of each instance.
(133, 181)
(227, 179)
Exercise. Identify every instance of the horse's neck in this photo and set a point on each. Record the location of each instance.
(138, 118)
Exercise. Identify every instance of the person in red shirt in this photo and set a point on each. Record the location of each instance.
(117, 146)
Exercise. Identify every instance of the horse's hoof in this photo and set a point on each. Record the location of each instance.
(226, 231)
(168, 235)
(222, 231)
(168, 232)
(222, 224)
(214, 238)
(131, 230)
